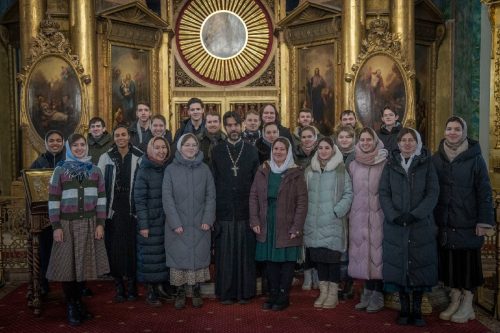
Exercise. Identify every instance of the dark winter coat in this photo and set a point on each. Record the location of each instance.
(187, 127)
(389, 138)
(264, 150)
(188, 201)
(99, 146)
(134, 137)
(233, 192)
(409, 248)
(151, 266)
(208, 142)
(48, 160)
(291, 205)
(465, 199)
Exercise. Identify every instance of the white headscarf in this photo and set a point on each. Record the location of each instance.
(288, 161)
(418, 150)
(179, 145)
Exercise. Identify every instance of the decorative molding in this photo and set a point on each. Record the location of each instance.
(182, 79)
(496, 90)
(268, 78)
(135, 13)
(309, 12)
(314, 31)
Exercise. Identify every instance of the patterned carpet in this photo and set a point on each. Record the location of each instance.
(136, 316)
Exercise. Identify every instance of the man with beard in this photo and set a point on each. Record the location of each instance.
(234, 163)
(210, 136)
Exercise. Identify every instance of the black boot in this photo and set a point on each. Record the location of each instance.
(164, 293)
(152, 298)
(180, 298)
(131, 289)
(84, 290)
(404, 313)
(282, 302)
(418, 320)
(197, 300)
(273, 296)
(73, 314)
(82, 310)
(120, 291)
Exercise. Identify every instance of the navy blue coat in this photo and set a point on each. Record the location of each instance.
(151, 266)
(465, 199)
(409, 251)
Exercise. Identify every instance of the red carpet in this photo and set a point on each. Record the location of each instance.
(136, 316)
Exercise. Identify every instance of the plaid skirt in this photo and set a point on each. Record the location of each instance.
(79, 257)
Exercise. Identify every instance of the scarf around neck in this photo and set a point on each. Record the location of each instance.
(377, 155)
(288, 163)
(77, 168)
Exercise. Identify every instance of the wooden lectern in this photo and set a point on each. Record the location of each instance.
(36, 187)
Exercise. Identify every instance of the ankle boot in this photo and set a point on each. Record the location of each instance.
(332, 298)
(323, 294)
(131, 289)
(455, 297)
(152, 298)
(180, 298)
(73, 315)
(418, 320)
(465, 311)
(120, 291)
(348, 289)
(82, 310)
(404, 313)
(307, 279)
(273, 296)
(282, 302)
(315, 278)
(365, 300)
(165, 294)
(197, 300)
(376, 302)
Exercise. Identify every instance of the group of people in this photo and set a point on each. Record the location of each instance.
(363, 204)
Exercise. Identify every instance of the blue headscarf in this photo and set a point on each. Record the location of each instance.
(78, 168)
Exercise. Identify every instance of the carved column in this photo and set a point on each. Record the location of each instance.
(83, 44)
(353, 16)
(164, 69)
(284, 61)
(403, 24)
(31, 13)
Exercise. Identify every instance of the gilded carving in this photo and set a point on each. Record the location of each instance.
(496, 90)
(268, 78)
(182, 79)
(314, 31)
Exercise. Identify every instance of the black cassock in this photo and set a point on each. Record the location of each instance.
(234, 170)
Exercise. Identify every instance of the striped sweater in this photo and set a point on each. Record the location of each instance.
(72, 200)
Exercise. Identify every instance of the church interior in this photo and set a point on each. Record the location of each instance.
(66, 61)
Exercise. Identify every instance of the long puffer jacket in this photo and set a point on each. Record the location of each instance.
(326, 214)
(410, 250)
(151, 266)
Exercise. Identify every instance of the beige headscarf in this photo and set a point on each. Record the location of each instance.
(377, 155)
(452, 150)
(150, 150)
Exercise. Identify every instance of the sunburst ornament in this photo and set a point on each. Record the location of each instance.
(224, 42)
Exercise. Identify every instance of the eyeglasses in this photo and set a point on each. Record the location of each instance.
(190, 145)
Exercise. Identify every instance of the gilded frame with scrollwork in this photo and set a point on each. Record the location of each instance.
(53, 87)
(383, 48)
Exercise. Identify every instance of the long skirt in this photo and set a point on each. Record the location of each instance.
(179, 277)
(234, 260)
(79, 257)
(461, 268)
(120, 238)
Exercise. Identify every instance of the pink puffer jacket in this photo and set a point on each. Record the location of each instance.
(365, 222)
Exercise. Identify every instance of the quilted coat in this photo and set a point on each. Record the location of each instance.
(365, 222)
(188, 201)
(326, 224)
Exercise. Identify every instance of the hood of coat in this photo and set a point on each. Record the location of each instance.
(332, 164)
(395, 130)
(473, 150)
(146, 163)
(179, 159)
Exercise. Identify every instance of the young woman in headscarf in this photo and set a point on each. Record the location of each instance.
(325, 230)
(366, 219)
(188, 194)
(278, 209)
(464, 214)
(409, 191)
(77, 211)
(151, 267)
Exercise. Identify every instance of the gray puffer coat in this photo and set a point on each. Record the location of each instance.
(189, 202)
(409, 250)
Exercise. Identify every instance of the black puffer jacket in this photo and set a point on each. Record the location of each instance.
(465, 199)
(409, 250)
(48, 160)
(151, 266)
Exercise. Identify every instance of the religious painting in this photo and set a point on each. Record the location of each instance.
(130, 81)
(422, 89)
(316, 77)
(54, 97)
(243, 107)
(379, 83)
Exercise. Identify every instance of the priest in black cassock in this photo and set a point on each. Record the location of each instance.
(234, 165)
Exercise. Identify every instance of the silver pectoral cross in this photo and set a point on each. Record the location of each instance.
(235, 170)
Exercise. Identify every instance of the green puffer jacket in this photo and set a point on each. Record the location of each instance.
(329, 203)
